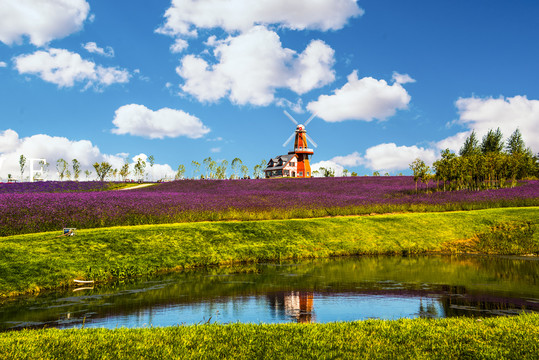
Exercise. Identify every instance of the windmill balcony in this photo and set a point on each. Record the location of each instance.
(303, 150)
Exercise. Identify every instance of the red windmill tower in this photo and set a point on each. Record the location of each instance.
(301, 148)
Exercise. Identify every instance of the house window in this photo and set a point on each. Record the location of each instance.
(308, 174)
(300, 173)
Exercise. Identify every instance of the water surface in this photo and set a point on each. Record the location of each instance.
(323, 290)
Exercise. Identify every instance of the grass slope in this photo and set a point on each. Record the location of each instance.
(454, 338)
(35, 261)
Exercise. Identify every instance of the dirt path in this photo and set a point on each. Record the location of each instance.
(136, 187)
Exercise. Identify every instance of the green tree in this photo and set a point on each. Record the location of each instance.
(151, 160)
(345, 172)
(207, 163)
(444, 168)
(236, 164)
(124, 170)
(102, 170)
(492, 142)
(257, 171)
(515, 144)
(196, 168)
(222, 171)
(76, 169)
(420, 171)
(471, 146)
(87, 173)
(354, 173)
(326, 172)
(22, 165)
(140, 167)
(180, 172)
(244, 171)
(376, 173)
(61, 167)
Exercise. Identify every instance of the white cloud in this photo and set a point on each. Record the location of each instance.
(402, 78)
(350, 160)
(483, 114)
(93, 48)
(392, 157)
(184, 17)
(328, 165)
(361, 99)
(253, 65)
(64, 68)
(313, 68)
(215, 150)
(138, 120)
(40, 20)
(178, 46)
(296, 107)
(2, 64)
(9, 139)
(453, 143)
(53, 148)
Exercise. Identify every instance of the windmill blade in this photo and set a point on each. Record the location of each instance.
(311, 140)
(290, 117)
(310, 119)
(289, 139)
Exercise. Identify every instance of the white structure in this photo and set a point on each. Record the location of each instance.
(37, 174)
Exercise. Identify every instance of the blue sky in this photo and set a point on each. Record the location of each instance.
(183, 80)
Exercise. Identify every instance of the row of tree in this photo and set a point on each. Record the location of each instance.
(208, 169)
(490, 164)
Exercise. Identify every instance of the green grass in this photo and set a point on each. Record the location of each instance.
(33, 262)
(453, 338)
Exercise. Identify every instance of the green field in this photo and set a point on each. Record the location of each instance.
(455, 338)
(33, 262)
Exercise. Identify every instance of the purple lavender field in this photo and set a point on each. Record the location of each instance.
(70, 204)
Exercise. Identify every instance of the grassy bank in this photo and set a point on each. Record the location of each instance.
(452, 338)
(36, 261)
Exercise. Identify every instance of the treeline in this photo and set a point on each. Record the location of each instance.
(490, 164)
(141, 169)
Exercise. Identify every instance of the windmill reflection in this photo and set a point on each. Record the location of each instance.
(297, 305)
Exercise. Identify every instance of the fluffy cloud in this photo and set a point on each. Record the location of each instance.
(52, 148)
(9, 139)
(392, 157)
(48, 147)
(361, 99)
(178, 46)
(350, 160)
(328, 165)
(386, 157)
(42, 21)
(2, 64)
(64, 68)
(253, 65)
(402, 78)
(483, 114)
(138, 120)
(184, 17)
(453, 143)
(93, 48)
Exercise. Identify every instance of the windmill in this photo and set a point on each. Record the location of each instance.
(301, 148)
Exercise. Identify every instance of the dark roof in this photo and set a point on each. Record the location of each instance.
(281, 158)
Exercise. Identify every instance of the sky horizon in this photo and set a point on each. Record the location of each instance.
(184, 80)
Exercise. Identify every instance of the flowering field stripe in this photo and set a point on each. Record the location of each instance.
(515, 337)
(217, 200)
(32, 262)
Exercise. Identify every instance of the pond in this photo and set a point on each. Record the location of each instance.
(322, 290)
